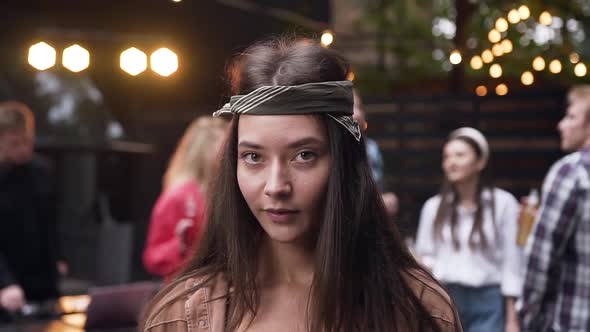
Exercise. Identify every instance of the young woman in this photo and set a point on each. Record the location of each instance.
(178, 219)
(298, 238)
(467, 237)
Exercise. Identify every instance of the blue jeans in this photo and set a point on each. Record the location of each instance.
(481, 309)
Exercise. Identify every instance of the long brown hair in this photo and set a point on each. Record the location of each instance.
(190, 159)
(449, 201)
(361, 263)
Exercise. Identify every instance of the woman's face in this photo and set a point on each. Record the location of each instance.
(460, 162)
(283, 168)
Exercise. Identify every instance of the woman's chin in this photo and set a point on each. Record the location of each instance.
(284, 234)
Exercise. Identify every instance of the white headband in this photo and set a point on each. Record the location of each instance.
(474, 135)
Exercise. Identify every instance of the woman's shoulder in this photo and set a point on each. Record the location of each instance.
(435, 299)
(504, 197)
(432, 203)
(434, 200)
(169, 311)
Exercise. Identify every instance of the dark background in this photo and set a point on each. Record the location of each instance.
(153, 110)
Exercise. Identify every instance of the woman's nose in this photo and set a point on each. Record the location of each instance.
(278, 183)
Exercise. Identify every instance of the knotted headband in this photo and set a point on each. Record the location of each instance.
(333, 98)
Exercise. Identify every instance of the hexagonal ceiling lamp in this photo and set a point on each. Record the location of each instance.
(164, 62)
(41, 56)
(133, 61)
(75, 58)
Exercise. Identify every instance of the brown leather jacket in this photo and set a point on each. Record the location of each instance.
(197, 313)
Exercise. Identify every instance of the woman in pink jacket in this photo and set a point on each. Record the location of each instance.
(177, 220)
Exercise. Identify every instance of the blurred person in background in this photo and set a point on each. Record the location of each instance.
(28, 239)
(178, 219)
(374, 157)
(556, 295)
(467, 237)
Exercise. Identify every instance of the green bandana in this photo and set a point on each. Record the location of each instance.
(332, 98)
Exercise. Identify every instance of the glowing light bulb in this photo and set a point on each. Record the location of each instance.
(513, 16)
(327, 38)
(75, 58)
(455, 57)
(497, 50)
(133, 61)
(524, 12)
(164, 62)
(538, 63)
(555, 66)
(494, 36)
(487, 56)
(501, 24)
(476, 62)
(527, 78)
(580, 69)
(495, 70)
(507, 45)
(41, 56)
(481, 91)
(501, 89)
(545, 18)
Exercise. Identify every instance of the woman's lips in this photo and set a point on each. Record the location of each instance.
(280, 215)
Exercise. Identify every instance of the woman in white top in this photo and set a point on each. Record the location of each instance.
(467, 237)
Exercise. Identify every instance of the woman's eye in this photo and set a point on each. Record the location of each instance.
(305, 156)
(251, 157)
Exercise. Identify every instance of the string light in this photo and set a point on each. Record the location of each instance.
(555, 66)
(487, 56)
(507, 45)
(476, 62)
(494, 36)
(513, 16)
(524, 12)
(455, 57)
(527, 78)
(545, 18)
(538, 63)
(495, 70)
(501, 89)
(481, 91)
(498, 50)
(580, 69)
(574, 58)
(501, 24)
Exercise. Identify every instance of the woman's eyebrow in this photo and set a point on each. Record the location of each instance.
(250, 145)
(292, 145)
(306, 141)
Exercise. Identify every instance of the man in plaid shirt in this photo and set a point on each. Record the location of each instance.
(556, 294)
